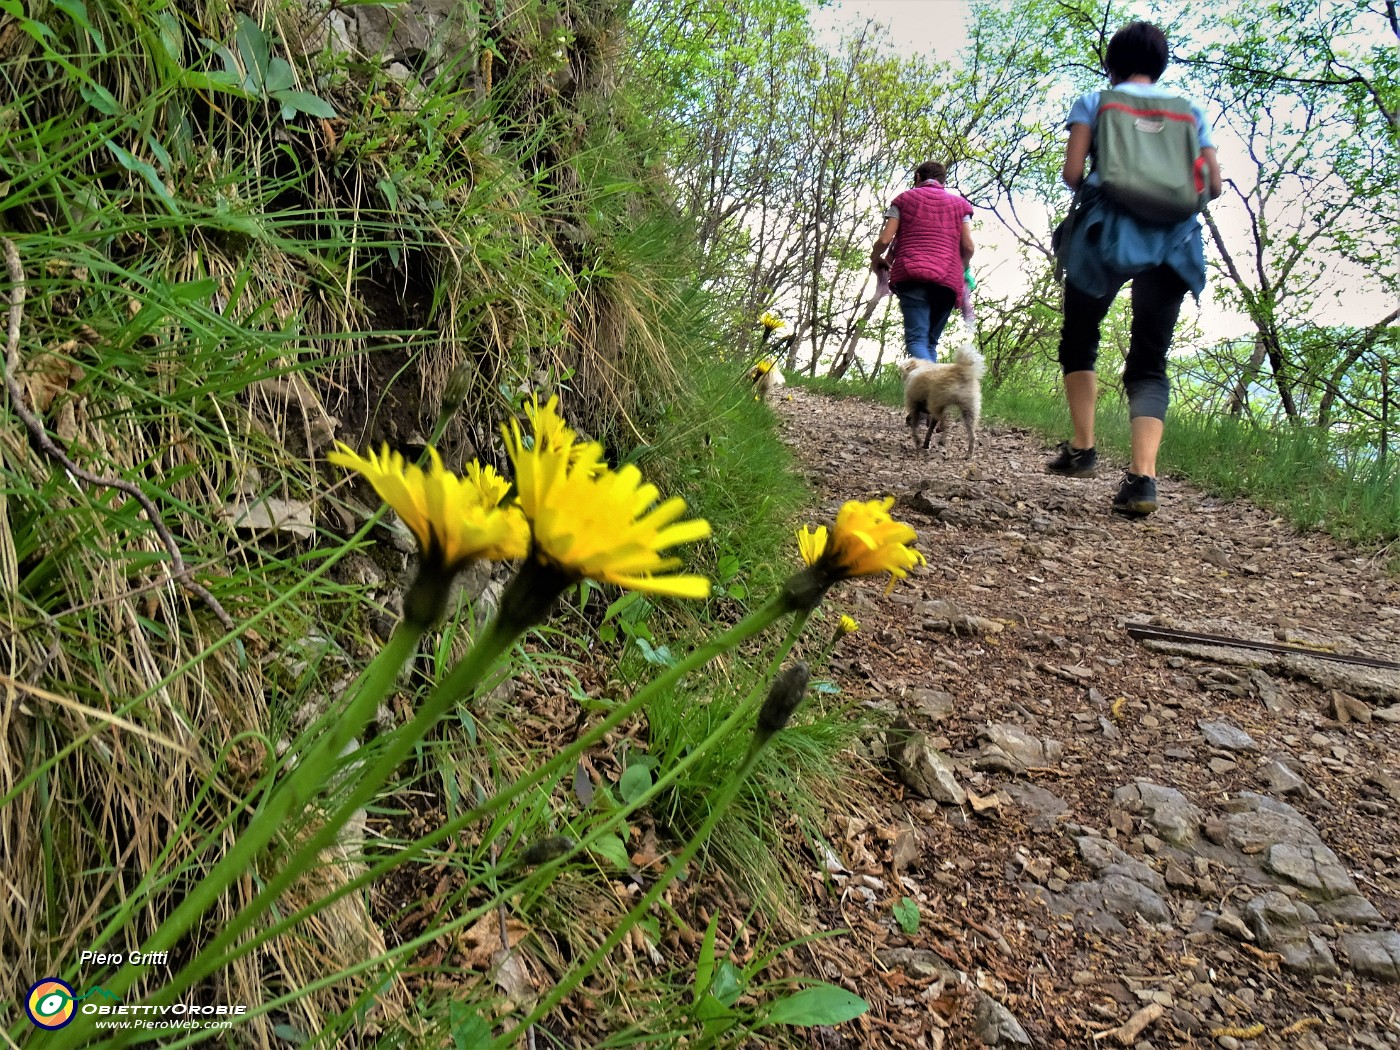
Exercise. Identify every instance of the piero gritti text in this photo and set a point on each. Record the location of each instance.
(132, 958)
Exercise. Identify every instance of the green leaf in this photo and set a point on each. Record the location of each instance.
(658, 656)
(906, 913)
(304, 102)
(705, 962)
(468, 1029)
(611, 849)
(99, 98)
(821, 1004)
(279, 76)
(635, 782)
(146, 171)
(728, 984)
(252, 46)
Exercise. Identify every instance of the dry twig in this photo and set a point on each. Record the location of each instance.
(46, 444)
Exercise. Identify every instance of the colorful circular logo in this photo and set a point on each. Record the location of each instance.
(50, 1003)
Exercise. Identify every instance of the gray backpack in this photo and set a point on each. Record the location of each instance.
(1148, 156)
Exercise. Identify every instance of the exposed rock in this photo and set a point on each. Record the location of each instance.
(1255, 822)
(1309, 956)
(1227, 736)
(1168, 810)
(997, 1026)
(1312, 866)
(1276, 919)
(1346, 708)
(922, 767)
(1281, 779)
(1373, 953)
(933, 704)
(1043, 805)
(1106, 858)
(1010, 749)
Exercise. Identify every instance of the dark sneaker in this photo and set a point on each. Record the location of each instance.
(1137, 496)
(1074, 462)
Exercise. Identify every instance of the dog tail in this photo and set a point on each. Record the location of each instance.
(967, 357)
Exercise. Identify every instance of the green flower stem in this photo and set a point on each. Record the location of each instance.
(463, 680)
(281, 805)
(575, 977)
(217, 953)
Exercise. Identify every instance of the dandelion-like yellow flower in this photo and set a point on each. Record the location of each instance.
(863, 541)
(771, 322)
(847, 625)
(454, 519)
(589, 521)
(762, 368)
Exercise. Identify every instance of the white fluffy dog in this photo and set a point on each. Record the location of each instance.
(765, 378)
(935, 388)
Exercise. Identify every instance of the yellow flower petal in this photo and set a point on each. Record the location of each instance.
(589, 521)
(863, 541)
(454, 519)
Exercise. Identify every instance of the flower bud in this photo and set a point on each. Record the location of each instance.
(784, 697)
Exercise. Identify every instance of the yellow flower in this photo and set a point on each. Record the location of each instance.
(590, 521)
(848, 625)
(863, 541)
(762, 368)
(454, 519)
(771, 322)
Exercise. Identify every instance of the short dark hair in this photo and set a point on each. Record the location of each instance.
(1137, 48)
(930, 169)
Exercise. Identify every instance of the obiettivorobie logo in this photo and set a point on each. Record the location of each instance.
(51, 1003)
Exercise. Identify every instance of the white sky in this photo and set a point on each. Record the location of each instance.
(937, 29)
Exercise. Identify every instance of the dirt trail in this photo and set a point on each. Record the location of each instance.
(1200, 845)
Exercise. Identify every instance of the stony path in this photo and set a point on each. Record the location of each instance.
(1155, 848)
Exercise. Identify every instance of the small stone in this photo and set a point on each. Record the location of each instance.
(1222, 765)
(1387, 714)
(1177, 878)
(1282, 780)
(1227, 736)
(1347, 708)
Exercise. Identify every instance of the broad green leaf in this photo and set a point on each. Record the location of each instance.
(906, 913)
(634, 783)
(728, 983)
(305, 102)
(252, 47)
(611, 849)
(821, 1004)
(279, 76)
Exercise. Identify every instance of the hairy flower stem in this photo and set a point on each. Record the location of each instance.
(224, 951)
(527, 598)
(526, 595)
(624, 926)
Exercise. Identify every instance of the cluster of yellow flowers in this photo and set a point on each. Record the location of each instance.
(571, 511)
(580, 519)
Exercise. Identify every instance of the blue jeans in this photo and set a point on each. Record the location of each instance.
(926, 307)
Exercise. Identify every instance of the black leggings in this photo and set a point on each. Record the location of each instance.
(1157, 295)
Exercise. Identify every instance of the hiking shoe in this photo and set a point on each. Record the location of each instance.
(1074, 462)
(1137, 496)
